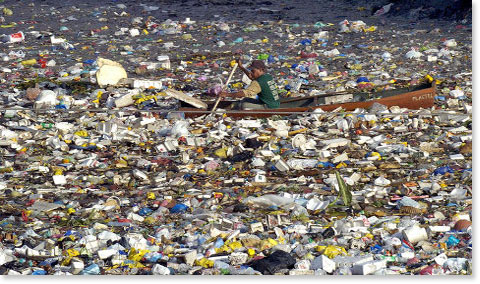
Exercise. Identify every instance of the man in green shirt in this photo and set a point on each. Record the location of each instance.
(262, 85)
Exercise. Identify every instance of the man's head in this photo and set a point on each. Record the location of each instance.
(258, 68)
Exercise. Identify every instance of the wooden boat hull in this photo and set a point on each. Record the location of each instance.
(421, 98)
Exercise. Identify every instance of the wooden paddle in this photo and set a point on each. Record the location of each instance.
(224, 86)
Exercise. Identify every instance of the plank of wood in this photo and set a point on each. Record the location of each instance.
(186, 98)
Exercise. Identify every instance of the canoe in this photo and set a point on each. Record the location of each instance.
(414, 97)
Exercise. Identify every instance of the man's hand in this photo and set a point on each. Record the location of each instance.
(247, 72)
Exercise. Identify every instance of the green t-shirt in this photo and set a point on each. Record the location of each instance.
(269, 93)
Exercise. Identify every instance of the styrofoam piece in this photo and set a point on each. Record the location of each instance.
(266, 153)
(190, 257)
(256, 227)
(164, 60)
(6, 255)
(298, 141)
(316, 204)
(46, 99)
(324, 154)
(369, 267)
(281, 133)
(414, 234)
(106, 253)
(159, 269)
(257, 162)
(77, 266)
(341, 260)
(282, 166)
(238, 258)
(301, 272)
(134, 32)
(413, 54)
(333, 143)
(171, 144)
(109, 73)
(59, 179)
(147, 84)
(441, 259)
(323, 262)
(407, 254)
(303, 264)
(457, 157)
(136, 241)
(407, 201)
(381, 181)
(125, 100)
(461, 216)
(439, 229)
(139, 174)
(340, 158)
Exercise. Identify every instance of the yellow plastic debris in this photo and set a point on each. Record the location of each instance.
(320, 248)
(136, 264)
(29, 62)
(341, 165)
(235, 245)
(133, 255)
(376, 154)
(72, 252)
(221, 153)
(7, 12)
(272, 242)
(291, 133)
(251, 252)
(149, 220)
(206, 263)
(238, 85)
(370, 29)
(81, 133)
(266, 244)
(333, 251)
(151, 195)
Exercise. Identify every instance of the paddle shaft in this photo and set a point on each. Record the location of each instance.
(224, 86)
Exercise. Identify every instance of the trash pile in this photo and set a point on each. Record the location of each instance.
(101, 174)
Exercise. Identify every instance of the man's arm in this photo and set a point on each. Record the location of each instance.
(248, 73)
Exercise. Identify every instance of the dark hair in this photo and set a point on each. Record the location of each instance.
(258, 64)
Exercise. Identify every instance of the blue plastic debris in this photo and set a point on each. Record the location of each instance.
(362, 80)
(93, 269)
(179, 208)
(306, 41)
(145, 211)
(443, 170)
(376, 248)
(452, 241)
